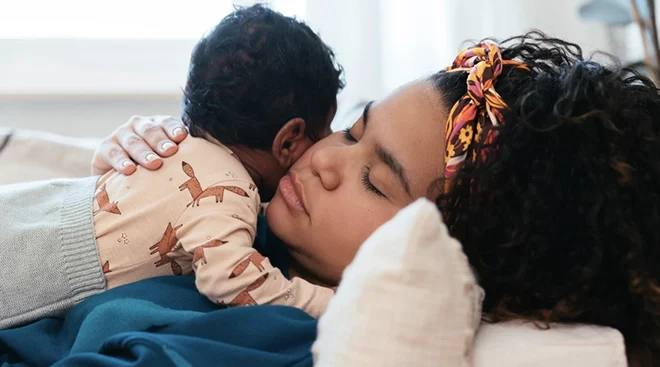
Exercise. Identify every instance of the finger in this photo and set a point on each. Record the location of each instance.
(174, 127)
(151, 131)
(140, 151)
(110, 155)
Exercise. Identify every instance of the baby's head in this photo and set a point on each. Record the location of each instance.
(262, 82)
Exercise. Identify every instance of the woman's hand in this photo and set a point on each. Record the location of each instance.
(142, 140)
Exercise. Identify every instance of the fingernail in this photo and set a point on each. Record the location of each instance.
(126, 163)
(166, 145)
(178, 131)
(150, 157)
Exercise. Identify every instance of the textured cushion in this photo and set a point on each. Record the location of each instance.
(409, 298)
(517, 344)
(34, 155)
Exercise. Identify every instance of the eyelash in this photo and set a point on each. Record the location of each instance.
(348, 136)
(365, 171)
(367, 183)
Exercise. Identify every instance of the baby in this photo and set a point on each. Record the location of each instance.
(261, 89)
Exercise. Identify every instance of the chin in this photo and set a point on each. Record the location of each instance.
(275, 213)
(283, 224)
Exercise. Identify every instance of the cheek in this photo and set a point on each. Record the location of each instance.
(304, 147)
(337, 238)
(327, 245)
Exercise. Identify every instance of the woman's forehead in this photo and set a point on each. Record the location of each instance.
(410, 123)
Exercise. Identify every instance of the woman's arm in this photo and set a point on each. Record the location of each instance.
(142, 140)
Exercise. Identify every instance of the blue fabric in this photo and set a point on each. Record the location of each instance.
(272, 247)
(162, 322)
(166, 322)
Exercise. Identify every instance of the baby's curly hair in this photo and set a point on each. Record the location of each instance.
(561, 221)
(253, 72)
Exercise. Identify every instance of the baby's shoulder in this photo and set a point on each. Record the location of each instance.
(201, 158)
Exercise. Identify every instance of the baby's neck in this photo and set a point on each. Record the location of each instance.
(262, 166)
(252, 161)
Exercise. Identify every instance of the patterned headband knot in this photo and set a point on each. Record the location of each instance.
(480, 106)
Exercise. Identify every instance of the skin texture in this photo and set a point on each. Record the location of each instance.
(267, 167)
(142, 140)
(340, 212)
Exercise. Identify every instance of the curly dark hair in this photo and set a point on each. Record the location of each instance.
(256, 70)
(561, 220)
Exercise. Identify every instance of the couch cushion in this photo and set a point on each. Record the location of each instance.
(33, 155)
(518, 344)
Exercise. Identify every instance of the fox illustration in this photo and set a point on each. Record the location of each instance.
(105, 205)
(165, 246)
(195, 188)
(255, 258)
(244, 298)
(198, 252)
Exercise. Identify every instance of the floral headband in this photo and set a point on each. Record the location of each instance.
(481, 105)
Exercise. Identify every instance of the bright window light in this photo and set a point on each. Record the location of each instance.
(121, 19)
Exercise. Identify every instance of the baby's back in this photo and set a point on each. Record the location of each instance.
(138, 218)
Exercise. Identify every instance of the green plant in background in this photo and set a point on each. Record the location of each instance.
(618, 13)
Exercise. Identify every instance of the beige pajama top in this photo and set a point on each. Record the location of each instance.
(196, 214)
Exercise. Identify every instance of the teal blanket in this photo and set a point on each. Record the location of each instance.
(162, 322)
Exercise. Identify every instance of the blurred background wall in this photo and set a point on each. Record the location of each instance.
(80, 67)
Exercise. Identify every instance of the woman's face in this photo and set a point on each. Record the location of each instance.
(346, 186)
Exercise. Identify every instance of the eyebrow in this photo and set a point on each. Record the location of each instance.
(394, 165)
(365, 113)
(387, 157)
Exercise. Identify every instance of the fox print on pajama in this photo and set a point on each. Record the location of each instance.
(198, 216)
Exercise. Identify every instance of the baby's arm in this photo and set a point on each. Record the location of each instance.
(296, 292)
(241, 276)
(228, 269)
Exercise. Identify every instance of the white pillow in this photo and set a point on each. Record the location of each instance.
(408, 298)
(518, 344)
(405, 301)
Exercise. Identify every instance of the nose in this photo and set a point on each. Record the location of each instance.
(327, 164)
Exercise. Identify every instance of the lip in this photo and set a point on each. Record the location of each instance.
(292, 192)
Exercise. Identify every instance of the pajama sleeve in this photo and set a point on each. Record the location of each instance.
(228, 269)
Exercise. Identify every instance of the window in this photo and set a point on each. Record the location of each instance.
(103, 48)
(121, 19)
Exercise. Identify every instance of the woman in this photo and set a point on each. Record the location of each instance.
(546, 170)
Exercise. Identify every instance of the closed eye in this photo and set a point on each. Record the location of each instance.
(366, 182)
(348, 136)
(364, 176)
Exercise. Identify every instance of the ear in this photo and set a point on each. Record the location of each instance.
(290, 142)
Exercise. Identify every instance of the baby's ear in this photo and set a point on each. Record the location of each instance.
(291, 142)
